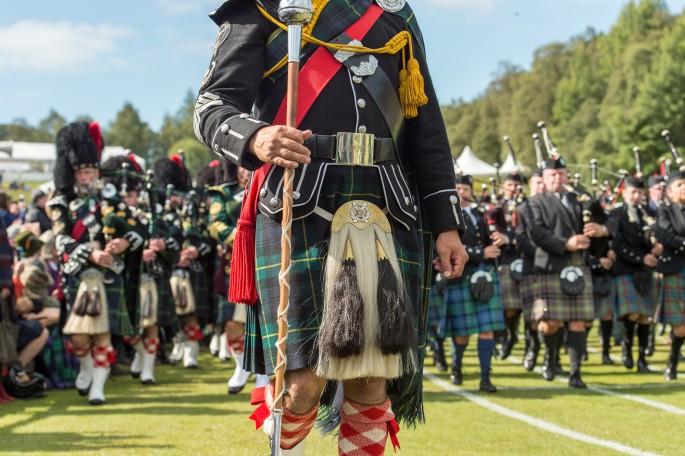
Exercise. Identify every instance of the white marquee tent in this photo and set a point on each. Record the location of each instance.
(469, 163)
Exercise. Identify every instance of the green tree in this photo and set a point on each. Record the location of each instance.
(129, 131)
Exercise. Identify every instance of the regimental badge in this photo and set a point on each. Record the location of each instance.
(392, 6)
(360, 213)
(341, 56)
(366, 68)
(215, 208)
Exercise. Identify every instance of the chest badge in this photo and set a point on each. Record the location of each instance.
(391, 6)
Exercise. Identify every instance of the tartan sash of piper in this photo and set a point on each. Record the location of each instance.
(314, 77)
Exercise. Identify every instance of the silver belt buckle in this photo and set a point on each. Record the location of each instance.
(355, 149)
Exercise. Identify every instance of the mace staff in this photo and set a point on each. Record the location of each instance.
(295, 14)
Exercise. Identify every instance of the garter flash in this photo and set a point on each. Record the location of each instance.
(367, 329)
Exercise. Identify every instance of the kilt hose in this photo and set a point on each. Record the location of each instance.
(310, 236)
(117, 312)
(551, 303)
(673, 294)
(511, 289)
(464, 316)
(526, 287)
(629, 300)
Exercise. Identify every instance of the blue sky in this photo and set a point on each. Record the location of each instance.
(82, 57)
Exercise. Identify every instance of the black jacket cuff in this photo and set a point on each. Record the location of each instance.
(232, 138)
(444, 212)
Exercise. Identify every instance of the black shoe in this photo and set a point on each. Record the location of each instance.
(83, 392)
(507, 347)
(439, 360)
(548, 370)
(558, 370)
(530, 360)
(149, 381)
(585, 356)
(96, 402)
(642, 366)
(671, 373)
(135, 374)
(607, 361)
(627, 356)
(574, 381)
(237, 389)
(457, 377)
(487, 387)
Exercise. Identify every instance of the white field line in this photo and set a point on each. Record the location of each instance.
(629, 397)
(536, 422)
(610, 387)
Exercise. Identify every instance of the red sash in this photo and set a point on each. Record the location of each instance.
(313, 78)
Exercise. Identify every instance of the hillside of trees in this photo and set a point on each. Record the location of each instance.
(600, 94)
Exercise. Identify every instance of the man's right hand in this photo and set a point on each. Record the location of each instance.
(101, 258)
(280, 145)
(650, 260)
(149, 255)
(492, 251)
(577, 242)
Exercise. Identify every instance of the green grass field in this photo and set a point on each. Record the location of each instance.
(189, 413)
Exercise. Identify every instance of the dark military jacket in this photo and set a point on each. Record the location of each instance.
(234, 102)
(628, 240)
(670, 232)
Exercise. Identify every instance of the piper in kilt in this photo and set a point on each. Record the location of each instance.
(563, 290)
(126, 175)
(91, 246)
(510, 283)
(172, 176)
(527, 250)
(473, 302)
(405, 172)
(636, 258)
(670, 233)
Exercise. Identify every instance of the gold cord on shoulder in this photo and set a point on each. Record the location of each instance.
(411, 89)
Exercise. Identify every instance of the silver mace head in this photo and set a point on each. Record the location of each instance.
(295, 12)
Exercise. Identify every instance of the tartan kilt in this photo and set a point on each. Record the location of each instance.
(511, 290)
(464, 316)
(526, 287)
(309, 246)
(629, 300)
(436, 310)
(550, 303)
(225, 310)
(117, 312)
(604, 305)
(198, 280)
(673, 294)
(61, 366)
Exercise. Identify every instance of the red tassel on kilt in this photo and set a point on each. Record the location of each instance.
(242, 287)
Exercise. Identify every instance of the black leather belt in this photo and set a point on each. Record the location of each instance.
(325, 147)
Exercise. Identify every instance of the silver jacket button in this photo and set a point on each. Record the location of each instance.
(244, 116)
(224, 129)
(362, 129)
(216, 147)
(262, 193)
(361, 103)
(454, 200)
(274, 202)
(357, 79)
(296, 195)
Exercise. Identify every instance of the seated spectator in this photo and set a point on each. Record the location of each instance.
(36, 211)
(21, 381)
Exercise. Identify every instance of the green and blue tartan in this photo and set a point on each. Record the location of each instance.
(673, 295)
(464, 316)
(552, 304)
(527, 287)
(629, 300)
(61, 366)
(511, 290)
(436, 310)
(198, 280)
(119, 320)
(309, 246)
(605, 305)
